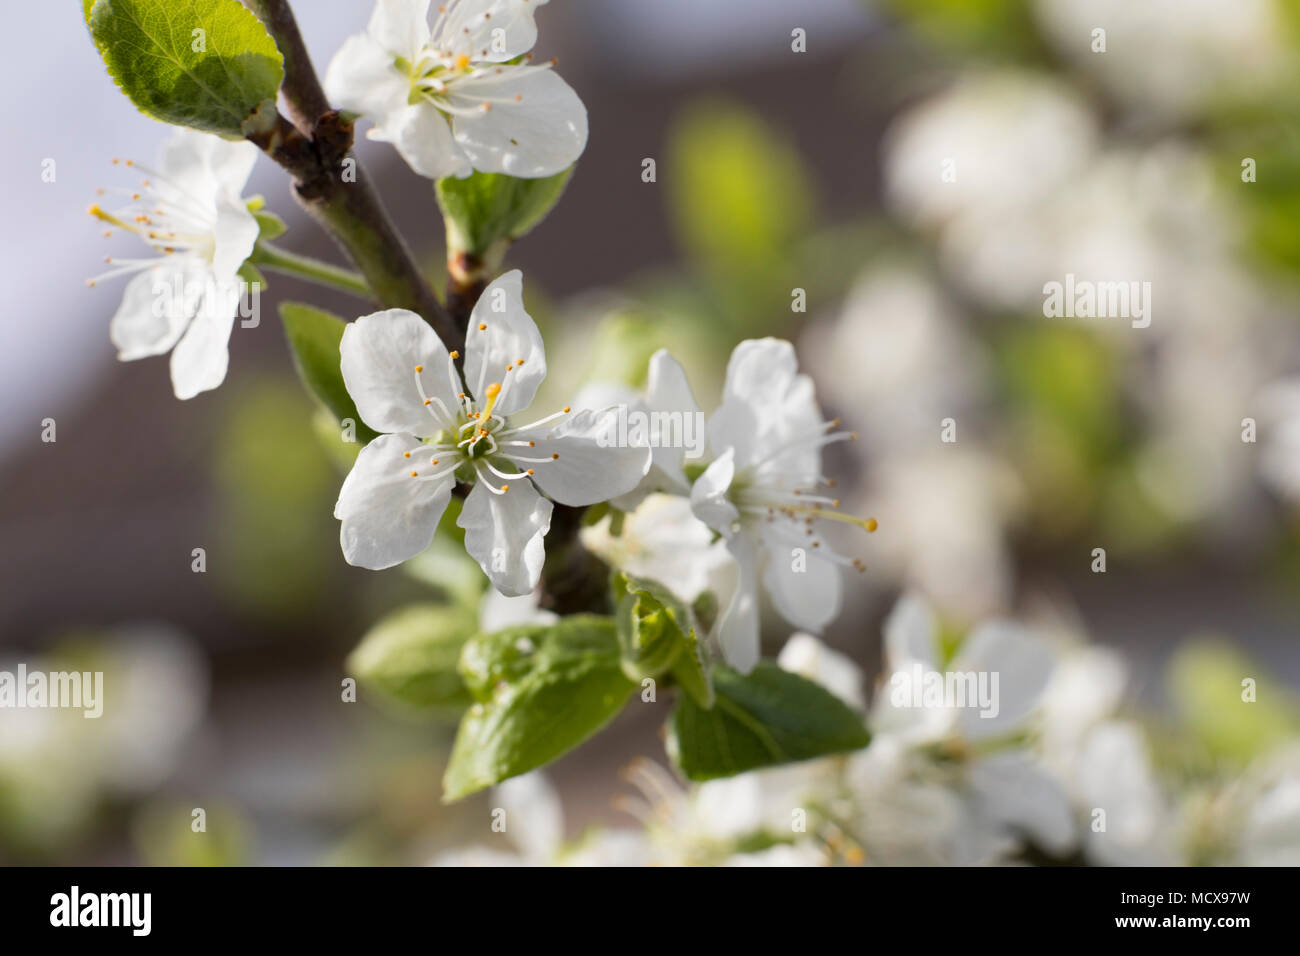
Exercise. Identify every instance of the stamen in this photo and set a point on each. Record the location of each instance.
(508, 477)
(488, 485)
(448, 419)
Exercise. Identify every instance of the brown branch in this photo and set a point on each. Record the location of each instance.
(315, 149)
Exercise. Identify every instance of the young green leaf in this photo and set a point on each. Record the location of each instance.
(269, 225)
(411, 656)
(657, 633)
(206, 64)
(540, 690)
(486, 211)
(314, 337)
(769, 716)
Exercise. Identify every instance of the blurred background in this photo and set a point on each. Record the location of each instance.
(777, 170)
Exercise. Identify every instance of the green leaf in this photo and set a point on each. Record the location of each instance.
(411, 656)
(767, 717)
(1205, 681)
(540, 690)
(739, 191)
(252, 274)
(270, 225)
(314, 337)
(486, 211)
(657, 633)
(206, 64)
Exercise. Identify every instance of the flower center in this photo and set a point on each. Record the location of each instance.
(790, 505)
(472, 444)
(162, 214)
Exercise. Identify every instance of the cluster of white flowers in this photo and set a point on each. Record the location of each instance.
(1058, 773)
(761, 492)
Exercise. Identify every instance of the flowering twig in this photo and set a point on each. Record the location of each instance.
(313, 149)
(314, 270)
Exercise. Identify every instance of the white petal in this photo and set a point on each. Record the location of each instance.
(591, 466)
(664, 541)
(501, 332)
(709, 498)
(1010, 790)
(378, 357)
(491, 30)
(737, 629)
(363, 78)
(200, 358)
(911, 633)
(235, 234)
(534, 817)
(423, 139)
(1023, 662)
(496, 612)
(766, 404)
(504, 534)
(808, 599)
(201, 163)
(669, 392)
(536, 124)
(186, 161)
(387, 515)
(805, 655)
(400, 26)
(153, 315)
(232, 164)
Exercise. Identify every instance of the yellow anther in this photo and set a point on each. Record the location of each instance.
(492, 392)
(419, 368)
(482, 326)
(566, 409)
(530, 471)
(455, 353)
(406, 454)
(415, 474)
(871, 524)
(462, 62)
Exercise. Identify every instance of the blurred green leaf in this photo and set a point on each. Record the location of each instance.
(981, 29)
(540, 691)
(411, 656)
(739, 192)
(1205, 684)
(165, 835)
(205, 64)
(314, 337)
(769, 716)
(275, 490)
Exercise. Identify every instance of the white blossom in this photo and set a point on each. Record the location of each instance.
(438, 432)
(451, 97)
(189, 211)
